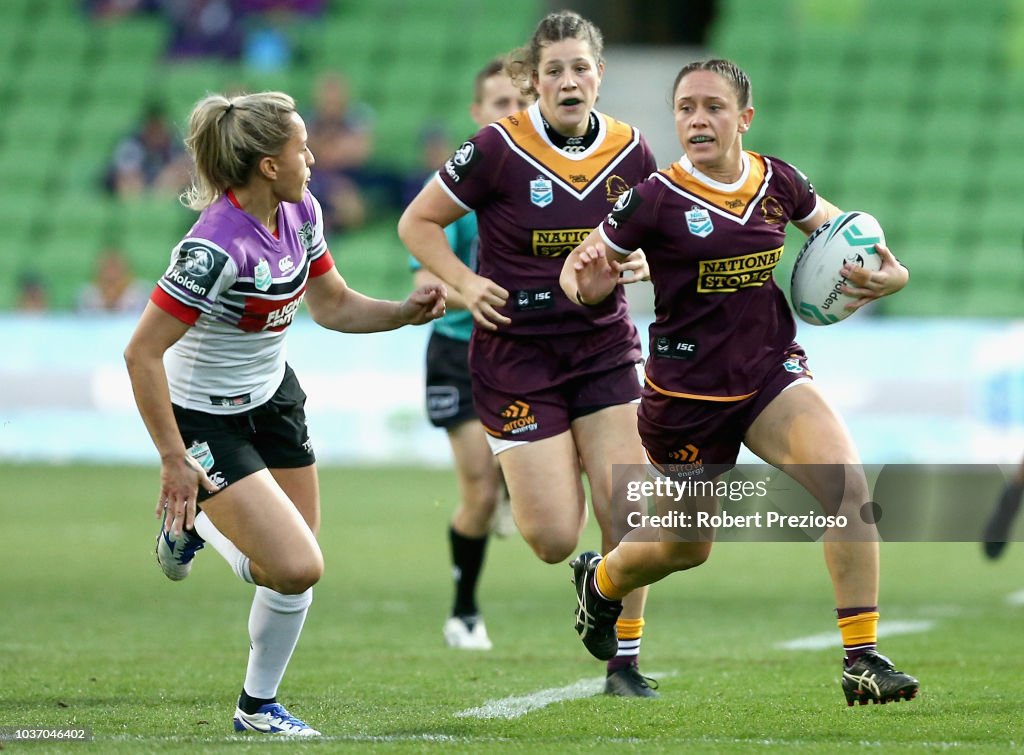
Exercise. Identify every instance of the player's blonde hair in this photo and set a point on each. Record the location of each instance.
(228, 136)
(554, 27)
(736, 76)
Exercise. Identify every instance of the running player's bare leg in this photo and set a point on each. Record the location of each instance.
(478, 479)
(302, 486)
(261, 520)
(799, 432)
(648, 555)
(548, 502)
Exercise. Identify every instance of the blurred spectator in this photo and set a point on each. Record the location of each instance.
(32, 293)
(267, 47)
(229, 29)
(112, 9)
(274, 32)
(204, 28)
(311, 8)
(346, 180)
(435, 147)
(114, 288)
(341, 139)
(151, 159)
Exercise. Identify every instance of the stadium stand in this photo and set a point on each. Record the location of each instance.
(900, 109)
(906, 110)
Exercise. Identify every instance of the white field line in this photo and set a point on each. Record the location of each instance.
(1016, 598)
(289, 742)
(832, 640)
(520, 705)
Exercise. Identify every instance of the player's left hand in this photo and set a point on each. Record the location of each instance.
(180, 478)
(634, 268)
(424, 304)
(869, 285)
(596, 277)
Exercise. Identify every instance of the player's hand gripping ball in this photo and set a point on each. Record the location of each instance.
(815, 288)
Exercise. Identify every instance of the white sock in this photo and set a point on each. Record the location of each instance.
(237, 560)
(628, 648)
(275, 623)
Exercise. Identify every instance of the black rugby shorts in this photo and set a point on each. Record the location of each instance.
(232, 446)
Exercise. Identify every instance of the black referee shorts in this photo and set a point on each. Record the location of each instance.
(449, 396)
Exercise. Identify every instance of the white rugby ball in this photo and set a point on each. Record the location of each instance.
(815, 286)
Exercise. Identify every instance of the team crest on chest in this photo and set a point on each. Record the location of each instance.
(541, 191)
(261, 275)
(698, 220)
(615, 187)
(305, 235)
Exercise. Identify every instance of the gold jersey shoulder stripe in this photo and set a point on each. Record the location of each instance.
(734, 203)
(578, 174)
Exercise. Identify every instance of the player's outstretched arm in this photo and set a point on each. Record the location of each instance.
(337, 307)
(421, 229)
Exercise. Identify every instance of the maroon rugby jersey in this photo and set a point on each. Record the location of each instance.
(720, 319)
(534, 203)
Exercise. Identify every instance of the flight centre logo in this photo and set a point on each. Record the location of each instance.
(558, 242)
(730, 274)
(518, 418)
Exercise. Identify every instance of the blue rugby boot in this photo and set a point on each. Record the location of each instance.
(273, 718)
(174, 555)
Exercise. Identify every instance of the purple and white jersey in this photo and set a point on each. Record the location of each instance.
(720, 319)
(238, 286)
(534, 204)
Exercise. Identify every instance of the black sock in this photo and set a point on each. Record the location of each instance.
(252, 705)
(1000, 523)
(467, 560)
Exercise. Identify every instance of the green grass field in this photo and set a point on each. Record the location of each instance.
(92, 635)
